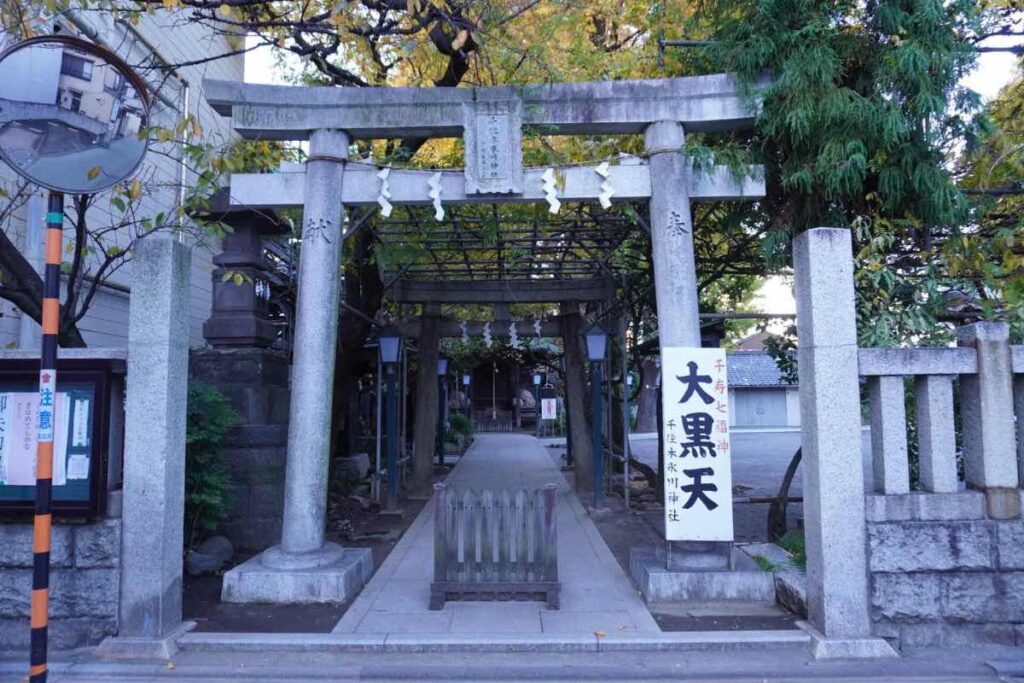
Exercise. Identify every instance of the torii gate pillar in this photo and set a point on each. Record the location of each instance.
(303, 568)
(675, 270)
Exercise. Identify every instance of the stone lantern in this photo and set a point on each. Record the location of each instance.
(240, 315)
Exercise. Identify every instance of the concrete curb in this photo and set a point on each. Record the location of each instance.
(703, 641)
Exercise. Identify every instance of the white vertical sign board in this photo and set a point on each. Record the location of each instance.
(698, 459)
(549, 409)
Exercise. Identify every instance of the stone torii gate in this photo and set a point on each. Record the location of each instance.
(303, 567)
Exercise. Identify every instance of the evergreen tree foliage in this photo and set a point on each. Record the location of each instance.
(863, 105)
(207, 482)
(863, 112)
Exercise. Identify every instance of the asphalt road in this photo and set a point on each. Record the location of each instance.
(759, 462)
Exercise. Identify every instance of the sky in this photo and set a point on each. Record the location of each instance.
(994, 70)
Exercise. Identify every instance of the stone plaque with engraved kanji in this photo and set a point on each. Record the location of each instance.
(494, 154)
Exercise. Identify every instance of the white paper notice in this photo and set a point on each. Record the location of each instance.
(698, 459)
(78, 467)
(5, 434)
(21, 417)
(80, 431)
(549, 409)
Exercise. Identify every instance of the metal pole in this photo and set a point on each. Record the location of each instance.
(376, 470)
(41, 532)
(536, 410)
(568, 433)
(403, 404)
(392, 435)
(439, 432)
(595, 380)
(494, 391)
(625, 417)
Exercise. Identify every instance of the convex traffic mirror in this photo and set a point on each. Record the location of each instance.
(73, 116)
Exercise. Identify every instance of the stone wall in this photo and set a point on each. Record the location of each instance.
(85, 580)
(255, 381)
(943, 573)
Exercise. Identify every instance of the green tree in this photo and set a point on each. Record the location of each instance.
(863, 113)
(207, 482)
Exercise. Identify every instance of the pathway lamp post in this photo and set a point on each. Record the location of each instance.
(51, 141)
(390, 345)
(569, 453)
(442, 372)
(536, 403)
(625, 433)
(465, 391)
(597, 349)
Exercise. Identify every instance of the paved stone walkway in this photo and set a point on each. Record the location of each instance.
(596, 595)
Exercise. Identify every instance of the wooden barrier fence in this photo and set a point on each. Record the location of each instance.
(495, 546)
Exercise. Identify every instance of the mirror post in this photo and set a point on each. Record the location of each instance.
(41, 532)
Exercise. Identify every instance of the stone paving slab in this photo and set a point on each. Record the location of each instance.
(596, 594)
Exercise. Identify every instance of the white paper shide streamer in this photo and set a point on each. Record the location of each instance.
(464, 327)
(536, 327)
(435, 195)
(513, 334)
(607, 191)
(385, 193)
(551, 190)
(487, 335)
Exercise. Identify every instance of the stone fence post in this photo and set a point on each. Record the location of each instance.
(154, 459)
(990, 444)
(837, 578)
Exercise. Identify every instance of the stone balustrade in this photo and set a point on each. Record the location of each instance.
(945, 562)
(982, 370)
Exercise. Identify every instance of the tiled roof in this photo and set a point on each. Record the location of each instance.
(753, 369)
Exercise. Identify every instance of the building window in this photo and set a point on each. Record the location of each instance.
(76, 66)
(112, 81)
(69, 99)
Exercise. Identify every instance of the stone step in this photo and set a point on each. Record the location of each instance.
(705, 641)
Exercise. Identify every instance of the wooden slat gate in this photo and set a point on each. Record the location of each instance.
(490, 546)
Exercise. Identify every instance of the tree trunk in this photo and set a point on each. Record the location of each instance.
(647, 398)
(363, 292)
(425, 411)
(577, 398)
(24, 288)
(777, 510)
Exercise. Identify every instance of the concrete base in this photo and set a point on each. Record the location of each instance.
(846, 648)
(124, 647)
(747, 582)
(394, 513)
(254, 581)
(690, 556)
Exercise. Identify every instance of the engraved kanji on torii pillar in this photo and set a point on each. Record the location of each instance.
(675, 269)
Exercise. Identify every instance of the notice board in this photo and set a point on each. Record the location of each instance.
(81, 436)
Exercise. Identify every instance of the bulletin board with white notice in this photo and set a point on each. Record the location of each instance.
(80, 429)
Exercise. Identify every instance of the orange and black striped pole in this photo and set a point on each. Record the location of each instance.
(44, 449)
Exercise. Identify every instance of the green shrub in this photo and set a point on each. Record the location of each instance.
(207, 483)
(765, 564)
(460, 424)
(793, 543)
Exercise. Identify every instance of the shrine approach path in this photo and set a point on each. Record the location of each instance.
(596, 595)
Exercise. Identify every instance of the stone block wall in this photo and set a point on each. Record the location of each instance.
(85, 581)
(255, 382)
(943, 573)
